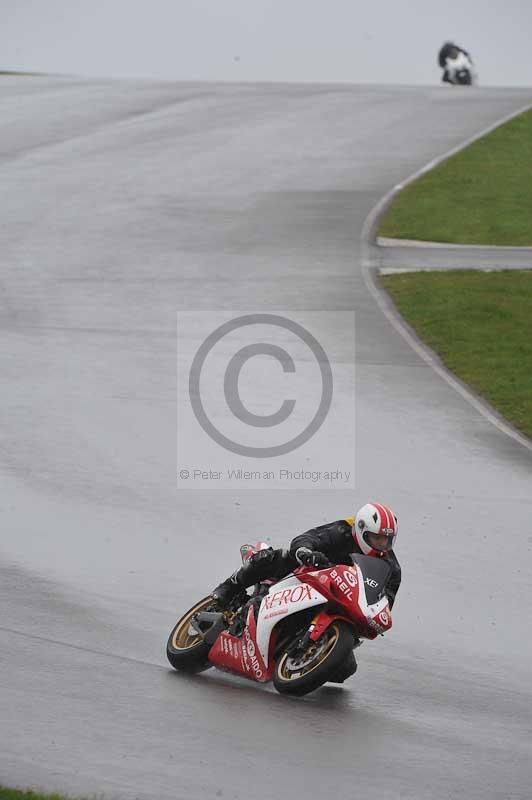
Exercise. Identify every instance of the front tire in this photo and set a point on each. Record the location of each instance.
(301, 674)
(186, 650)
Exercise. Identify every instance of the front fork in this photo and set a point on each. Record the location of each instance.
(319, 624)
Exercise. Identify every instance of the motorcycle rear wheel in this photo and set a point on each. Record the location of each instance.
(303, 673)
(186, 650)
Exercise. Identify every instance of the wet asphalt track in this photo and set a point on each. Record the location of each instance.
(122, 202)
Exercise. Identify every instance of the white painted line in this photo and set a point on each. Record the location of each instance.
(401, 270)
(384, 241)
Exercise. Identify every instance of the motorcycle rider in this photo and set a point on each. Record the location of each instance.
(449, 50)
(372, 532)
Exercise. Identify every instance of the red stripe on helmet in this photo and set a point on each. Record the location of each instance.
(382, 515)
(387, 517)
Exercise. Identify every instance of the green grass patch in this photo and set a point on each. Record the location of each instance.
(16, 794)
(10, 72)
(482, 195)
(480, 324)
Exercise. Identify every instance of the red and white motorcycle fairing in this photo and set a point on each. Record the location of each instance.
(346, 585)
(252, 653)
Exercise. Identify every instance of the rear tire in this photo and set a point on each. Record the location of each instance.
(186, 650)
(302, 674)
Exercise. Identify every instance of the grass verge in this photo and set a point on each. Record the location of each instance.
(482, 195)
(16, 794)
(480, 324)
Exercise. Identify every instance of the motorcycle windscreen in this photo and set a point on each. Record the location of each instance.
(376, 572)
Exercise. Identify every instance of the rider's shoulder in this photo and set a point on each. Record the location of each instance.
(345, 523)
(338, 526)
(342, 526)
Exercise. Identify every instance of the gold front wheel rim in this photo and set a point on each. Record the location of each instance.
(290, 669)
(185, 637)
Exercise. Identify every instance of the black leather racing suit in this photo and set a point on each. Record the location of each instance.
(334, 540)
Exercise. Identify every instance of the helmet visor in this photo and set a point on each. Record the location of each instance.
(383, 542)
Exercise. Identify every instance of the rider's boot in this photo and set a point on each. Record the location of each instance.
(230, 588)
(258, 568)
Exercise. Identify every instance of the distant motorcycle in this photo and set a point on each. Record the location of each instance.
(299, 632)
(457, 65)
(460, 70)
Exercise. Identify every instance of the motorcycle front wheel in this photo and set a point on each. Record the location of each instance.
(303, 672)
(186, 649)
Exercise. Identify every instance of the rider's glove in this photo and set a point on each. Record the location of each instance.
(312, 558)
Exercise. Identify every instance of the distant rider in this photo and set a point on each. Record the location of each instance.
(449, 50)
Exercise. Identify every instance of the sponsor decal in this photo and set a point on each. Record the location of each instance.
(285, 596)
(228, 648)
(371, 582)
(272, 614)
(251, 652)
(384, 617)
(244, 662)
(342, 585)
(350, 577)
(374, 625)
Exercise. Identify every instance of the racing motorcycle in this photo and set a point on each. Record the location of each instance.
(299, 632)
(459, 69)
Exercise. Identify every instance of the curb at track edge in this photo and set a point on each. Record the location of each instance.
(370, 271)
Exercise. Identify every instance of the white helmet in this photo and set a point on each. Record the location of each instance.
(375, 529)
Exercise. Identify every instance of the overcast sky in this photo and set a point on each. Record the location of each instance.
(369, 41)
